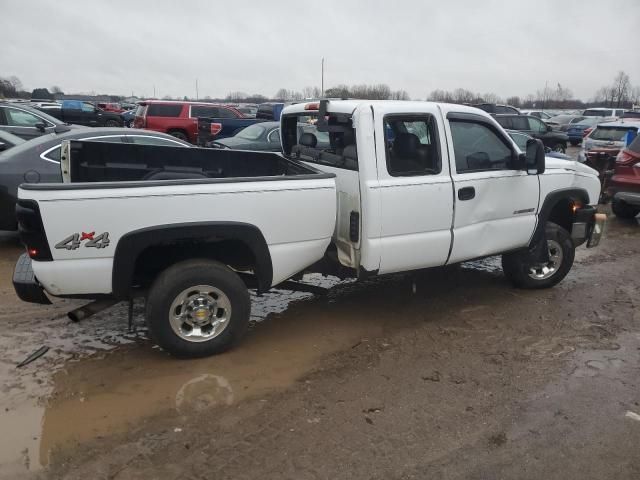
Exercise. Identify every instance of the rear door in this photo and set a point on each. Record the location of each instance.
(495, 202)
(413, 190)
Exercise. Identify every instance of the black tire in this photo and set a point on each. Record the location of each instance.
(516, 269)
(179, 278)
(623, 210)
(112, 123)
(179, 134)
(560, 147)
(575, 143)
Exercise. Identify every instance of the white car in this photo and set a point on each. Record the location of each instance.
(608, 135)
(401, 186)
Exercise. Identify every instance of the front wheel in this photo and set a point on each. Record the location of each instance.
(518, 268)
(111, 123)
(197, 308)
(560, 147)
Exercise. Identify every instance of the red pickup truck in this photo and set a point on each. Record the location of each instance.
(180, 119)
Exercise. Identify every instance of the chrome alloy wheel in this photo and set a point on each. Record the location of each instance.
(542, 272)
(200, 313)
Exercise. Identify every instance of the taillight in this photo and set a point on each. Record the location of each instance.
(586, 132)
(626, 158)
(215, 129)
(31, 230)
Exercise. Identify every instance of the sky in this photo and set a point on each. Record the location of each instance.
(131, 47)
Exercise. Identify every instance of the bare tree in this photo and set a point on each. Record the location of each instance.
(16, 83)
(621, 88)
(515, 101)
(236, 96)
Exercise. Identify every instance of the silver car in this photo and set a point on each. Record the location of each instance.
(38, 160)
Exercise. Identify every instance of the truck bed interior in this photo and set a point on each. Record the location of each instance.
(114, 162)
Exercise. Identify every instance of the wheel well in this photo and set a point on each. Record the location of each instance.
(179, 130)
(562, 213)
(157, 258)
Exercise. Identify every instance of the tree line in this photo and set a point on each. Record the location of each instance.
(619, 93)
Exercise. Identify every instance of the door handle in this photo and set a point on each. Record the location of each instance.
(466, 193)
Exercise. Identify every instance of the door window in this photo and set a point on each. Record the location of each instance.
(20, 118)
(537, 126)
(226, 113)
(53, 153)
(198, 111)
(478, 148)
(411, 145)
(520, 122)
(149, 140)
(274, 136)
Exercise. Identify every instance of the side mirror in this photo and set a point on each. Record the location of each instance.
(535, 157)
(40, 126)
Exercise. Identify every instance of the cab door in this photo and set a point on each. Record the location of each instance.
(414, 190)
(496, 202)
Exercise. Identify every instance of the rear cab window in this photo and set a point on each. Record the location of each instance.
(302, 140)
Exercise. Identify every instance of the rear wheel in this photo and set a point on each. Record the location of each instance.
(623, 210)
(523, 273)
(111, 123)
(197, 308)
(179, 134)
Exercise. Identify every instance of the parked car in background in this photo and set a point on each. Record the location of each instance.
(38, 160)
(577, 131)
(265, 136)
(607, 137)
(9, 140)
(180, 119)
(85, 113)
(270, 111)
(494, 108)
(624, 186)
(521, 139)
(111, 107)
(556, 141)
(562, 122)
(603, 112)
(541, 114)
(27, 122)
(128, 117)
(44, 104)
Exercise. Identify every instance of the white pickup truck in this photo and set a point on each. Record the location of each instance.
(380, 187)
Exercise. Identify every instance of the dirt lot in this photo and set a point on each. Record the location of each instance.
(446, 374)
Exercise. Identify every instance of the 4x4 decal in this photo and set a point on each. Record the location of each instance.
(74, 241)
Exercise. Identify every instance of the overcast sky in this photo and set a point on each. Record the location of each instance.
(506, 47)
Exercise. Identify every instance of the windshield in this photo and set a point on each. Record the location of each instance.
(252, 132)
(588, 122)
(611, 134)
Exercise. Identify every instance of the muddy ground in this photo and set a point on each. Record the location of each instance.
(450, 373)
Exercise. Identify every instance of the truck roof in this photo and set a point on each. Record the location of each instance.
(349, 106)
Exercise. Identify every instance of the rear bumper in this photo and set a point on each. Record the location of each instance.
(25, 284)
(588, 226)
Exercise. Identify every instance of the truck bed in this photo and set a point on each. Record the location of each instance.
(110, 196)
(116, 162)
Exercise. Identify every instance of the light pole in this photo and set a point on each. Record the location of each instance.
(322, 80)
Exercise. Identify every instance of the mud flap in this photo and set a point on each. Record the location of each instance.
(538, 253)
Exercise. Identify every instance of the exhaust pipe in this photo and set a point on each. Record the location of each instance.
(91, 309)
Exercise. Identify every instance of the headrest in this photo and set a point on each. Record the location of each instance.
(308, 140)
(406, 144)
(350, 152)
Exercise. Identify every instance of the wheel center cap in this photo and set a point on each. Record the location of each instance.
(201, 314)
